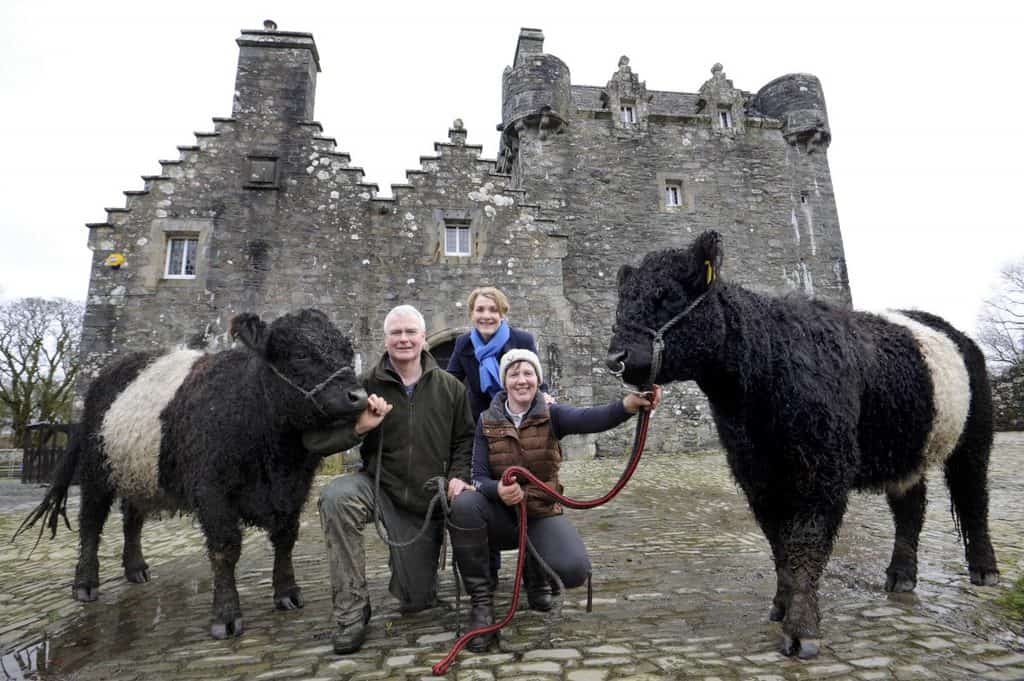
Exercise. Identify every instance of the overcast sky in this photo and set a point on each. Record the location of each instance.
(923, 100)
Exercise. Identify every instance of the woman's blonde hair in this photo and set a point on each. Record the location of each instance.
(489, 292)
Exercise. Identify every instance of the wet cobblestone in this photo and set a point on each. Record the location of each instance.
(682, 575)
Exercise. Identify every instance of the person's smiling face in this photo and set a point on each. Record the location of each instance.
(521, 385)
(486, 316)
(404, 339)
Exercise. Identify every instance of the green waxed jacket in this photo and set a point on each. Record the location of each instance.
(427, 435)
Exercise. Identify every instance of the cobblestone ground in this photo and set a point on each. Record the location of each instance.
(683, 583)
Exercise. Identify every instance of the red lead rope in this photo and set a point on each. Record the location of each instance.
(514, 474)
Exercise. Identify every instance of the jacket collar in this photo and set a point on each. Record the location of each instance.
(537, 410)
(385, 372)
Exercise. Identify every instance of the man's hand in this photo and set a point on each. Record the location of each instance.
(549, 399)
(376, 409)
(510, 494)
(634, 402)
(456, 487)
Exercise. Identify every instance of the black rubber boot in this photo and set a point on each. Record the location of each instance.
(473, 556)
(538, 590)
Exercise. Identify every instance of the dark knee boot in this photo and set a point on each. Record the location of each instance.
(473, 556)
(538, 589)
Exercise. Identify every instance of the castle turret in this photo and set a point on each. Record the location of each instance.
(535, 91)
(276, 74)
(797, 99)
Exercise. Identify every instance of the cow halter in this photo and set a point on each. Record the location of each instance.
(658, 342)
(310, 394)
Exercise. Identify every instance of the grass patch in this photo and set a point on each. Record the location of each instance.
(1014, 599)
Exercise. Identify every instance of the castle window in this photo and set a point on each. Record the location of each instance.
(673, 194)
(456, 237)
(725, 118)
(628, 114)
(181, 257)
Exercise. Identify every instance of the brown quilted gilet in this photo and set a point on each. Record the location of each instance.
(534, 448)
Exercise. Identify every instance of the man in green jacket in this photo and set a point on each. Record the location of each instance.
(422, 414)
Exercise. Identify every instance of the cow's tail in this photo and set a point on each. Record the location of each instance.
(54, 505)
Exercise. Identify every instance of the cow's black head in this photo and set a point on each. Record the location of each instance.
(665, 284)
(306, 349)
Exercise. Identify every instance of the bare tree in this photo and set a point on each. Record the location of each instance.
(39, 341)
(1001, 322)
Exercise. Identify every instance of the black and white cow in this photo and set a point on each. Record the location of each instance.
(812, 401)
(218, 435)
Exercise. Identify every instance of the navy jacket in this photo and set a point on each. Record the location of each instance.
(464, 366)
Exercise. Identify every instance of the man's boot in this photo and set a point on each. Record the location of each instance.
(350, 638)
(538, 590)
(473, 557)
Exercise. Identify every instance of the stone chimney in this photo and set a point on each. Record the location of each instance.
(531, 42)
(276, 74)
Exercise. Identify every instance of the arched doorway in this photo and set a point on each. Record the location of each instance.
(441, 344)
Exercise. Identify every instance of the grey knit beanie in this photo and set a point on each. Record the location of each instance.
(513, 356)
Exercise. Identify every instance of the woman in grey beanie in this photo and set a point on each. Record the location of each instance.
(521, 429)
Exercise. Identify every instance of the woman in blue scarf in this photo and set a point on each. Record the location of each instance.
(477, 354)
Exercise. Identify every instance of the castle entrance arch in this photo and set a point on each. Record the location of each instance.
(441, 344)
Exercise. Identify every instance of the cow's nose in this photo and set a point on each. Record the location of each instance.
(616, 361)
(357, 398)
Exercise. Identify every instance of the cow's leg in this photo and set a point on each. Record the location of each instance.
(908, 514)
(287, 594)
(807, 538)
(224, 546)
(768, 520)
(135, 567)
(967, 480)
(92, 516)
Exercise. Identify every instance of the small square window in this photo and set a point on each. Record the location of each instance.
(673, 194)
(725, 118)
(628, 114)
(456, 238)
(181, 257)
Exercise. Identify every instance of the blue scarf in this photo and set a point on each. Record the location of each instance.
(487, 356)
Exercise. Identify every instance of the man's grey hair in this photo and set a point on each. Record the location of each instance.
(405, 311)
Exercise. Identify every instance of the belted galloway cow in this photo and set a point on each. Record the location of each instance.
(219, 435)
(813, 401)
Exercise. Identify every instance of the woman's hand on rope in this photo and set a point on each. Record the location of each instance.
(376, 409)
(456, 487)
(634, 402)
(510, 494)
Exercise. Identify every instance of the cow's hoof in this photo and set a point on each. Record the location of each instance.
(86, 594)
(985, 577)
(898, 584)
(291, 600)
(222, 630)
(802, 648)
(137, 576)
(777, 613)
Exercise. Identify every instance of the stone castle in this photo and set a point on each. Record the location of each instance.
(266, 214)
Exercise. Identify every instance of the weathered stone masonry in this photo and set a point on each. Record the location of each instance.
(580, 187)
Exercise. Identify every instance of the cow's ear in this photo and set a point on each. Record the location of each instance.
(251, 331)
(707, 259)
(625, 272)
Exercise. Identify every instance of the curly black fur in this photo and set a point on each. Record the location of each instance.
(811, 401)
(230, 450)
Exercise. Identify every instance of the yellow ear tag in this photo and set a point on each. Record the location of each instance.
(711, 271)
